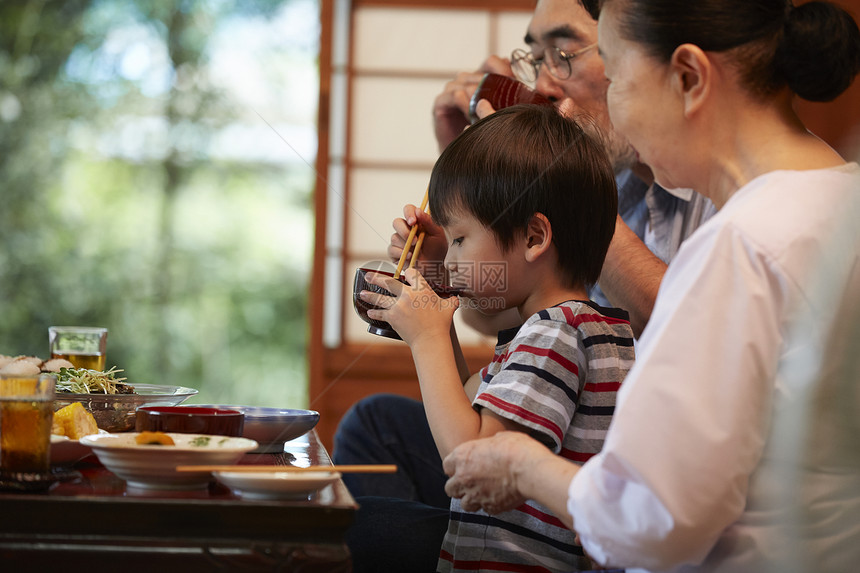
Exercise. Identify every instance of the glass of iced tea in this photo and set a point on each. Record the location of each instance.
(83, 346)
(26, 414)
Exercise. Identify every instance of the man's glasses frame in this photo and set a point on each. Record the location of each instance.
(527, 68)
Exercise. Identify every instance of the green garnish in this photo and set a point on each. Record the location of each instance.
(200, 441)
(85, 381)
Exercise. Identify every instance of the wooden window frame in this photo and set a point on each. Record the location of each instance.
(341, 374)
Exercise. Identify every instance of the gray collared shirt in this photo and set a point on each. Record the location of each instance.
(662, 218)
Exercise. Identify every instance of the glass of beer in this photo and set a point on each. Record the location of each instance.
(26, 414)
(83, 346)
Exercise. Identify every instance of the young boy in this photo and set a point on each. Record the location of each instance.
(527, 201)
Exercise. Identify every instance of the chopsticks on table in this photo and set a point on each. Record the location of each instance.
(367, 469)
(408, 244)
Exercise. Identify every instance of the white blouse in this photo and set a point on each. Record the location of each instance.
(681, 482)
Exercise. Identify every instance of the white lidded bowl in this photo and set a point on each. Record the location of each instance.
(154, 466)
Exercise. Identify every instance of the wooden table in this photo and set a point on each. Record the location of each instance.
(94, 523)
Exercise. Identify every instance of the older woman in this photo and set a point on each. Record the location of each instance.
(703, 91)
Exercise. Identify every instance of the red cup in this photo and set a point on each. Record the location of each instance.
(501, 92)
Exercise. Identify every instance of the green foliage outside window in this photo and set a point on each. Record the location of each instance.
(155, 178)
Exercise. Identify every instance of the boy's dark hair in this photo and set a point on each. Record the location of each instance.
(528, 159)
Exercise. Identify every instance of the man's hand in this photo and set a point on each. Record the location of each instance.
(451, 107)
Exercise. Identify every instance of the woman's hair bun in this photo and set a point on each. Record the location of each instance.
(820, 51)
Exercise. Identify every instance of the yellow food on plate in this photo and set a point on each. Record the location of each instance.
(154, 439)
(74, 422)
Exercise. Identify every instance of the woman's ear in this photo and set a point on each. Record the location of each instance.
(538, 237)
(692, 74)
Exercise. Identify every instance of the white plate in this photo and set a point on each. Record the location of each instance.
(154, 467)
(278, 485)
(66, 451)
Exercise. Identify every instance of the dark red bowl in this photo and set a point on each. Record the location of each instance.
(190, 420)
(378, 327)
(501, 92)
(381, 327)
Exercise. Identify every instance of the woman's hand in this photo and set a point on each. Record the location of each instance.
(483, 472)
(415, 311)
(498, 474)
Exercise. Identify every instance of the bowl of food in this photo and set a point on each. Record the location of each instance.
(108, 397)
(112, 401)
(190, 420)
(271, 427)
(148, 460)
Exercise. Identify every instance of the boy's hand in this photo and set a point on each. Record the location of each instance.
(415, 311)
(435, 246)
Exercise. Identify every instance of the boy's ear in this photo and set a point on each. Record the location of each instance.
(538, 237)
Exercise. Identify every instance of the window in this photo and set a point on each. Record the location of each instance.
(156, 161)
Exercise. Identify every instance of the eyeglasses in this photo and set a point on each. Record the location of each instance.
(527, 68)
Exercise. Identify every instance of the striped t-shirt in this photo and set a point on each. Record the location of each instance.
(557, 376)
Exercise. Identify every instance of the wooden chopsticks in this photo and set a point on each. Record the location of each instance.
(408, 244)
(367, 469)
